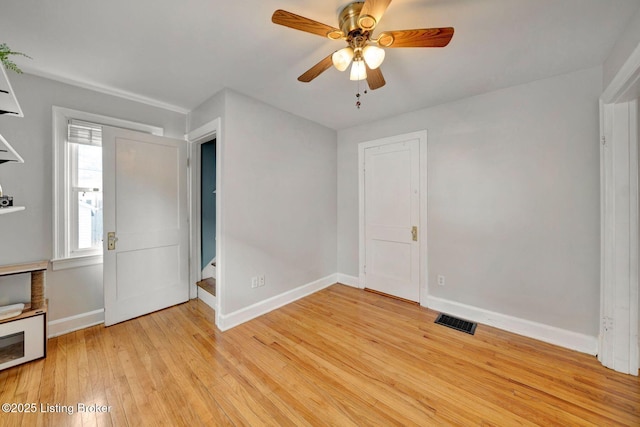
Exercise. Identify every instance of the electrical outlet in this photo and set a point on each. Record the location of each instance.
(254, 282)
(261, 280)
(441, 280)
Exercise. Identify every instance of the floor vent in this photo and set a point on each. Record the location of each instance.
(455, 323)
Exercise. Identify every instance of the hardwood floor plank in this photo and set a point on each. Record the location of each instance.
(419, 395)
(105, 374)
(524, 361)
(350, 392)
(341, 356)
(119, 362)
(195, 399)
(95, 364)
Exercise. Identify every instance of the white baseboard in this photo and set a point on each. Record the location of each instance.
(345, 279)
(74, 323)
(550, 334)
(228, 321)
(206, 298)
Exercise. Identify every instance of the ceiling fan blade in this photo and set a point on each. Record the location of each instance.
(423, 37)
(374, 78)
(316, 70)
(297, 22)
(371, 13)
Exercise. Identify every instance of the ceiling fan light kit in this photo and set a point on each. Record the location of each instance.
(357, 21)
(373, 56)
(358, 70)
(342, 58)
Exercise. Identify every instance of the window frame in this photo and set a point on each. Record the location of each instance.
(63, 255)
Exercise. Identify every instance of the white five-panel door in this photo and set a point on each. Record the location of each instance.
(391, 217)
(145, 207)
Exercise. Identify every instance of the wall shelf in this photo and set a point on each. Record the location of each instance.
(7, 153)
(27, 312)
(8, 107)
(11, 209)
(8, 101)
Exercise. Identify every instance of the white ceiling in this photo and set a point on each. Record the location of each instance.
(179, 53)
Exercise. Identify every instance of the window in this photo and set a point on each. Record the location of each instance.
(84, 151)
(77, 184)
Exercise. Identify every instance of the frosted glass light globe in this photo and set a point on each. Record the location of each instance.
(358, 70)
(342, 58)
(373, 56)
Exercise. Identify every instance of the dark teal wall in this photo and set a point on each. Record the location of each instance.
(208, 198)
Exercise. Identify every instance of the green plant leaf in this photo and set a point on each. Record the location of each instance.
(5, 51)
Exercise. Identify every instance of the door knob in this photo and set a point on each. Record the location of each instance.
(111, 240)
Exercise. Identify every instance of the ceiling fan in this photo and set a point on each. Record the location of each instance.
(357, 21)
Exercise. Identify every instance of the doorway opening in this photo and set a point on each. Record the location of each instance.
(206, 216)
(207, 220)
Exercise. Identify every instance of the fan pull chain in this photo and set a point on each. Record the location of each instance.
(358, 103)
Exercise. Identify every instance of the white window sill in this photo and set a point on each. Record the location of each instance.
(80, 261)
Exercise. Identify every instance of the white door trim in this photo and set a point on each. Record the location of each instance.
(422, 226)
(624, 81)
(196, 138)
(618, 346)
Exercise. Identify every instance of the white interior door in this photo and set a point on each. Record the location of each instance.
(391, 217)
(145, 205)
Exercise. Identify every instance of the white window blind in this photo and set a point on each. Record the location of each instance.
(85, 133)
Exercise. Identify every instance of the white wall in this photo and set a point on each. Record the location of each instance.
(628, 41)
(513, 199)
(209, 110)
(27, 235)
(278, 198)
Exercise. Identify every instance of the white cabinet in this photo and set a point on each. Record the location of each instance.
(22, 340)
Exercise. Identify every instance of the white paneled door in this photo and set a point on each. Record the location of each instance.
(392, 217)
(145, 207)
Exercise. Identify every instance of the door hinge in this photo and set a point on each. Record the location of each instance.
(188, 162)
(603, 140)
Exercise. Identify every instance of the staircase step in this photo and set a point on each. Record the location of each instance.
(209, 285)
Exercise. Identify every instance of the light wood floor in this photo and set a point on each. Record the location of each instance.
(340, 357)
